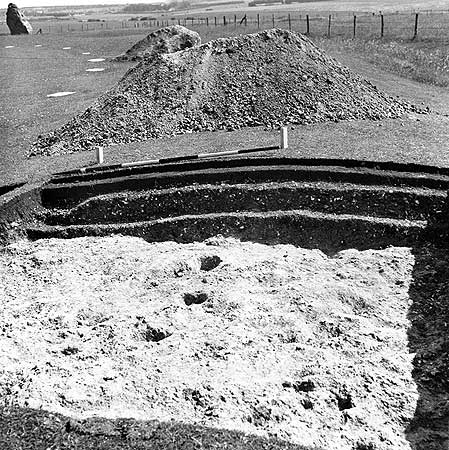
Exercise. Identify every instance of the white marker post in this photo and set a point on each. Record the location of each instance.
(284, 137)
(99, 155)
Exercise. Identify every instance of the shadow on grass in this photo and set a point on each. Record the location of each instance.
(428, 338)
(26, 428)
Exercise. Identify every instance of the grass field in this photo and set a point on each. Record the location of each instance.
(393, 65)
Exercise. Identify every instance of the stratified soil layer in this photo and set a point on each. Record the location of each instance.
(270, 78)
(268, 340)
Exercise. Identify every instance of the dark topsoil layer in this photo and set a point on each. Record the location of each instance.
(270, 78)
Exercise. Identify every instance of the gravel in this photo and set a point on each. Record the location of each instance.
(271, 78)
(165, 40)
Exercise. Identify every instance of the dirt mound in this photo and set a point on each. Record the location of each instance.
(268, 340)
(270, 78)
(166, 40)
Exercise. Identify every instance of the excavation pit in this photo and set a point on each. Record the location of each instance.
(312, 275)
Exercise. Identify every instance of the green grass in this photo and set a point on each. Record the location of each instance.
(22, 428)
(426, 61)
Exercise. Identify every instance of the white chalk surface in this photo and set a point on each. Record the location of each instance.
(95, 69)
(60, 94)
(38, 45)
(9, 46)
(66, 48)
(86, 53)
(96, 60)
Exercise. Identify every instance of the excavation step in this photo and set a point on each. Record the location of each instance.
(67, 195)
(340, 198)
(105, 171)
(308, 229)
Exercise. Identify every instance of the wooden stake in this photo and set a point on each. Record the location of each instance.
(99, 155)
(415, 34)
(284, 137)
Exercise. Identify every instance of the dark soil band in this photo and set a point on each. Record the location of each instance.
(387, 202)
(307, 229)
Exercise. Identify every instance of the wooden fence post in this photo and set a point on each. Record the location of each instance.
(258, 21)
(381, 25)
(207, 21)
(355, 24)
(415, 33)
(215, 20)
(289, 23)
(235, 21)
(308, 24)
(272, 19)
(329, 27)
(224, 20)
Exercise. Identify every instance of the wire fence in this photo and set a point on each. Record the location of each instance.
(427, 24)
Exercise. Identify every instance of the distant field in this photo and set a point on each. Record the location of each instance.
(366, 25)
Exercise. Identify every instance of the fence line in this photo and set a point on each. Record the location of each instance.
(404, 25)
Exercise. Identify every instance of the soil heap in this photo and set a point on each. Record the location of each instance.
(16, 21)
(269, 78)
(166, 40)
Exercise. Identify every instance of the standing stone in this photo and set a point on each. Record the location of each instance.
(16, 21)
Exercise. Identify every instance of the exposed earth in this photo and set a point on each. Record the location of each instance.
(269, 340)
(165, 40)
(271, 78)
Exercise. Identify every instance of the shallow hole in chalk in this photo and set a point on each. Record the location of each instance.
(9, 46)
(66, 48)
(60, 94)
(96, 60)
(195, 298)
(209, 263)
(95, 69)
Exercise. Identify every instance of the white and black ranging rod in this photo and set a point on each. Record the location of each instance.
(100, 157)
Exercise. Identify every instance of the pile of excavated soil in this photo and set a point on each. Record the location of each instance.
(270, 78)
(165, 40)
(269, 340)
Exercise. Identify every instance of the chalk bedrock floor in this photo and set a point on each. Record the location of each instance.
(283, 341)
